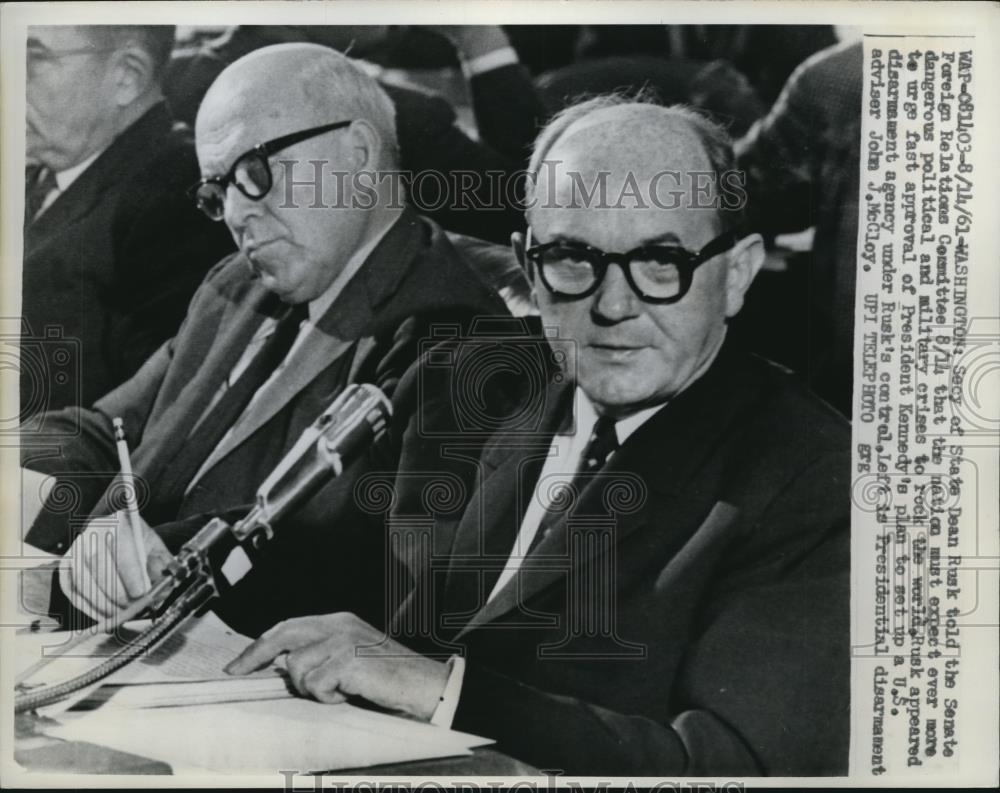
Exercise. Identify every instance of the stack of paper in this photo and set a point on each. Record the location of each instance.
(199, 692)
(195, 654)
(195, 716)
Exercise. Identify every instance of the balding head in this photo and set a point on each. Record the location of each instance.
(294, 86)
(631, 252)
(679, 155)
(308, 208)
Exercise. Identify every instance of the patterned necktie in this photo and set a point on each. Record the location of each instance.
(39, 181)
(602, 444)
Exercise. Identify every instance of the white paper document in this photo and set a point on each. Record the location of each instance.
(198, 692)
(197, 651)
(251, 737)
(175, 704)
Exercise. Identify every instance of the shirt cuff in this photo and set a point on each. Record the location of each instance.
(505, 56)
(444, 714)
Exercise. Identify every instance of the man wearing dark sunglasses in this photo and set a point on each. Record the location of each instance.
(325, 291)
(654, 580)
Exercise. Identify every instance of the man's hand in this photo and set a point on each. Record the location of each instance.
(334, 656)
(104, 573)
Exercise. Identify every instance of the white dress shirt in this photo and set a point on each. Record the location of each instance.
(564, 458)
(317, 309)
(64, 179)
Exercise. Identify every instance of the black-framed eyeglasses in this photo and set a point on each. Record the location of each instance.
(251, 173)
(656, 273)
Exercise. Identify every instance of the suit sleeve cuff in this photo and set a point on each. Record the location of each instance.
(444, 714)
(505, 56)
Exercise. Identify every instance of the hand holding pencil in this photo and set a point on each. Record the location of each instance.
(103, 572)
(131, 501)
(109, 562)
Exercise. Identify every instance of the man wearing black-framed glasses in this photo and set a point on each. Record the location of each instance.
(652, 579)
(324, 291)
(251, 172)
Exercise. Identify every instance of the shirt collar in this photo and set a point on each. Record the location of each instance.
(65, 178)
(320, 305)
(586, 413)
(586, 418)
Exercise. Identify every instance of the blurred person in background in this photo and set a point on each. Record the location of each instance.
(113, 248)
(802, 166)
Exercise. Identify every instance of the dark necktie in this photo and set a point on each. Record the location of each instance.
(39, 181)
(178, 472)
(603, 442)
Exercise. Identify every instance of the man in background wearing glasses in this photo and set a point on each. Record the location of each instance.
(335, 282)
(112, 249)
(654, 582)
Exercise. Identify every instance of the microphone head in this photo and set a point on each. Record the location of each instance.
(353, 422)
(360, 408)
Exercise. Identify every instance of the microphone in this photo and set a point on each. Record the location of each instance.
(352, 423)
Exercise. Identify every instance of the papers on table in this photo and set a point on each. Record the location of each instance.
(196, 652)
(175, 704)
(266, 737)
(200, 692)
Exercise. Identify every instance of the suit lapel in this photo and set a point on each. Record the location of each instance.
(486, 532)
(351, 318)
(122, 156)
(241, 320)
(657, 468)
(315, 354)
(557, 552)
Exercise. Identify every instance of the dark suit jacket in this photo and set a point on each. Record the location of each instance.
(691, 615)
(113, 262)
(412, 282)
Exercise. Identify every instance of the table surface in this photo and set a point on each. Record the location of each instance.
(40, 753)
(37, 752)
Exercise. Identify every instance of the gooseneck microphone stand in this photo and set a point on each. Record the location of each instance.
(351, 424)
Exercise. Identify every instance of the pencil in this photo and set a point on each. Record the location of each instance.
(131, 503)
